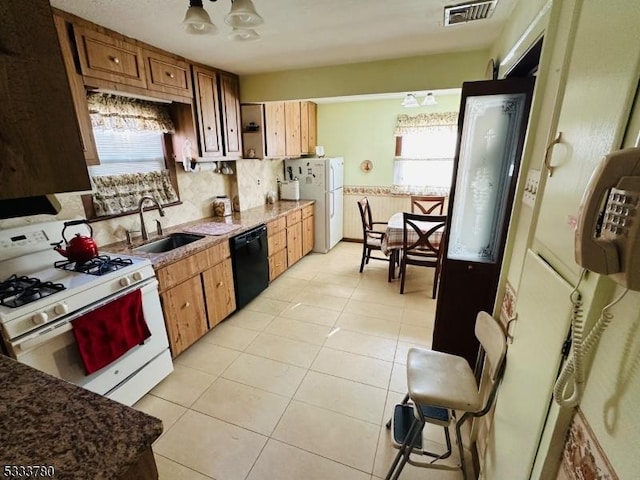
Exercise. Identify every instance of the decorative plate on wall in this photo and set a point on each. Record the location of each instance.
(366, 166)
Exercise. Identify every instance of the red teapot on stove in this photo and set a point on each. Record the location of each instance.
(80, 248)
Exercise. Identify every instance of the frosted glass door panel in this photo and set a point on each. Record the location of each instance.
(488, 154)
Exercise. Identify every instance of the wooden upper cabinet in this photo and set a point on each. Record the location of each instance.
(40, 146)
(275, 134)
(308, 128)
(230, 102)
(312, 119)
(292, 128)
(78, 92)
(208, 112)
(108, 58)
(167, 74)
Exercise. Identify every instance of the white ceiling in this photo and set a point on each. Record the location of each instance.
(298, 33)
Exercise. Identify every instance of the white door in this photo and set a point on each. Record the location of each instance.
(533, 361)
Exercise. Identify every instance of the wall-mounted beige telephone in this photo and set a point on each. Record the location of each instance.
(608, 241)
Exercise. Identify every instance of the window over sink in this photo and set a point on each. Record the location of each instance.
(132, 140)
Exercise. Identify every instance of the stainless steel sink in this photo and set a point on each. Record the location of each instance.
(173, 241)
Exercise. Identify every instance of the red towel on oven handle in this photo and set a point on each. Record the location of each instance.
(105, 334)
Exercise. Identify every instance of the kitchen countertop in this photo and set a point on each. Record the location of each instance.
(244, 221)
(47, 421)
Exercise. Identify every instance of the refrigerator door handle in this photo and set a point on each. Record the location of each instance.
(332, 207)
(332, 186)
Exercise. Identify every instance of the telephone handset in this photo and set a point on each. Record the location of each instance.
(609, 242)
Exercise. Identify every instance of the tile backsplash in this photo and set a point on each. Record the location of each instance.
(197, 191)
(256, 178)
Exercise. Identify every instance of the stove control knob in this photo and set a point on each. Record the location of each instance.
(125, 281)
(61, 309)
(137, 276)
(40, 318)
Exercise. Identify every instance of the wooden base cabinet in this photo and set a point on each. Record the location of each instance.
(197, 293)
(294, 237)
(277, 247)
(184, 314)
(307, 229)
(219, 292)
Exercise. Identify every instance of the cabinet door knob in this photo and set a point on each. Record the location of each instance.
(186, 305)
(220, 284)
(208, 128)
(170, 75)
(115, 60)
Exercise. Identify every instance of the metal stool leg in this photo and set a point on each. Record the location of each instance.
(405, 450)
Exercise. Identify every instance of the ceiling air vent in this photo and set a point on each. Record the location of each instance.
(468, 12)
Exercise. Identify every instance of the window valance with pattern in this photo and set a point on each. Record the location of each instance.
(116, 194)
(424, 122)
(113, 112)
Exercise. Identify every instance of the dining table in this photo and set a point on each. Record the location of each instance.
(393, 240)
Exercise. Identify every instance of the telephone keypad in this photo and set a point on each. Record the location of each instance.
(621, 206)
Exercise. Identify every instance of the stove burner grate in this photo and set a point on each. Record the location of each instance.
(100, 265)
(16, 291)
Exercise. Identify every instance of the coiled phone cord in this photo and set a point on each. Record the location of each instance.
(573, 373)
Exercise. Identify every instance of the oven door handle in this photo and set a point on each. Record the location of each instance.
(64, 325)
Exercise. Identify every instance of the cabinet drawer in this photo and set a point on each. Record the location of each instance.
(277, 264)
(182, 270)
(294, 217)
(277, 241)
(276, 225)
(217, 254)
(167, 74)
(108, 58)
(307, 211)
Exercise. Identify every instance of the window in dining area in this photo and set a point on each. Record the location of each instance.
(425, 147)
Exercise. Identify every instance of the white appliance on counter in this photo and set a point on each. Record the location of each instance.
(41, 294)
(321, 179)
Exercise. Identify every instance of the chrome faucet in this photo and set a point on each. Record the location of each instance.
(143, 228)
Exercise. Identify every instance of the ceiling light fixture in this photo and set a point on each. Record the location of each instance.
(197, 20)
(243, 17)
(243, 35)
(243, 14)
(429, 99)
(410, 101)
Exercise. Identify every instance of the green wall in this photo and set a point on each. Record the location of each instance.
(363, 130)
(430, 72)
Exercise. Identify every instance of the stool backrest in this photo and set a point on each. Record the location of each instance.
(491, 336)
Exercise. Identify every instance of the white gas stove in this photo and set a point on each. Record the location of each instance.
(41, 294)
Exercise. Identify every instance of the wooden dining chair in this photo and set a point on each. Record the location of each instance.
(427, 204)
(371, 237)
(421, 242)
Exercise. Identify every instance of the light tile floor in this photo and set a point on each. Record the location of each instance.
(299, 384)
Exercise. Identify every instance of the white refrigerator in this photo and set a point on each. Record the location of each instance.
(321, 179)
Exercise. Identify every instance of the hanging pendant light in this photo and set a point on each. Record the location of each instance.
(243, 14)
(197, 20)
(410, 101)
(429, 99)
(244, 35)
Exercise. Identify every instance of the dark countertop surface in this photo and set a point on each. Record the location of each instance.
(47, 421)
(240, 222)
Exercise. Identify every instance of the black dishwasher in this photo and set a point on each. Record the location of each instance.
(250, 262)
